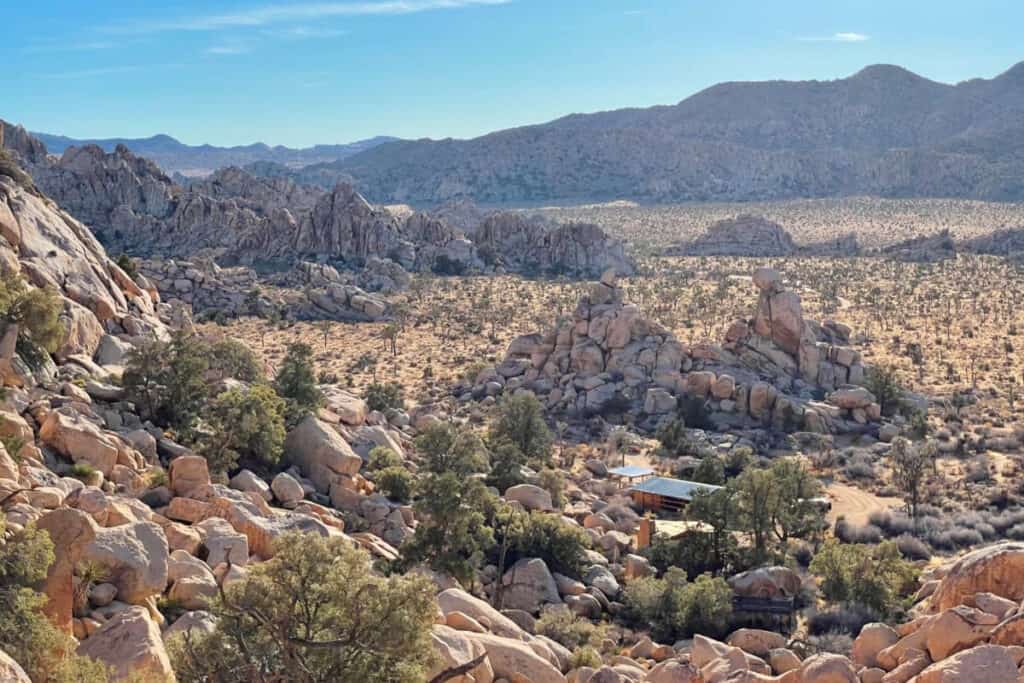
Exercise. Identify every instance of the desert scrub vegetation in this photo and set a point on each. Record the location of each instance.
(26, 634)
(875, 577)
(35, 311)
(341, 621)
(672, 607)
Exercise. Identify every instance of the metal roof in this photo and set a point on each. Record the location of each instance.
(630, 471)
(672, 488)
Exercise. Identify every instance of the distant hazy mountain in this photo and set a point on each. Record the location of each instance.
(883, 131)
(174, 156)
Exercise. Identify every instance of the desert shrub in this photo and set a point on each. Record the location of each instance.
(544, 535)
(883, 383)
(860, 467)
(382, 457)
(295, 382)
(695, 553)
(553, 481)
(167, 380)
(854, 533)
(35, 311)
(562, 625)
(876, 577)
(672, 436)
(507, 463)
(125, 263)
(711, 470)
(954, 537)
(341, 621)
(452, 502)
(913, 548)
(625, 517)
(244, 423)
(737, 460)
(892, 522)
(585, 656)
(520, 421)
(674, 608)
(382, 397)
(832, 642)
(1003, 521)
(396, 483)
(26, 634)
(849, 619)
(231, 358)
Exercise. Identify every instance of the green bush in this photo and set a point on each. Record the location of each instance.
(884, 384)
(396, 483)
(507, 463)
(295, 382)
(876, 577)
(675, 439)
(382, 457)
(384, 397)
(585, 656)
(26, 634)
(695, 553)
(341, 621)
(553, 481)
(545, 535)
(35, 311)
(711, 470)
(674, 608)
(244, 423)
(520, 421)
(125, 263)
(231, 358)
(563, 626)
(167, 381)
(452, 502)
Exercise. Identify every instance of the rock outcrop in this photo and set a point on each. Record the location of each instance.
(237, 218)
(744, 235)
(770, 371)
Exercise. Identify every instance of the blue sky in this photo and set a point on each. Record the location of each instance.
(299, 73)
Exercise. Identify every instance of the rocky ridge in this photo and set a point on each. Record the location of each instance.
(237, 218)
(883, 131)
(775, 369)
(755, 236)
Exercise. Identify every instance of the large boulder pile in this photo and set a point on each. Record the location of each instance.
(531, 244)
(744, 235)
(776, 369)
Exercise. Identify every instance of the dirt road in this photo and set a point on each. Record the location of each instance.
(856, 504)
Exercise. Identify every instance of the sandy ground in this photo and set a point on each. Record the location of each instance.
(856, 504)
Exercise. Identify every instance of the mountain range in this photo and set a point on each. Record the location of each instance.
(174, 156)
(882, 131)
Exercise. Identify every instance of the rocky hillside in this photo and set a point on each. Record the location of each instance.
(200, 160)
(883, 131)
(237, 218)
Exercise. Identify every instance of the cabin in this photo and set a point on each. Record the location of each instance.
(629, 474)
(666, 494)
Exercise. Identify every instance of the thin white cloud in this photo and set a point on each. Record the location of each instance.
(92, 73)
(304, 32)
(226, 50)
(284, 13)
(840, 37)
(70, 47)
